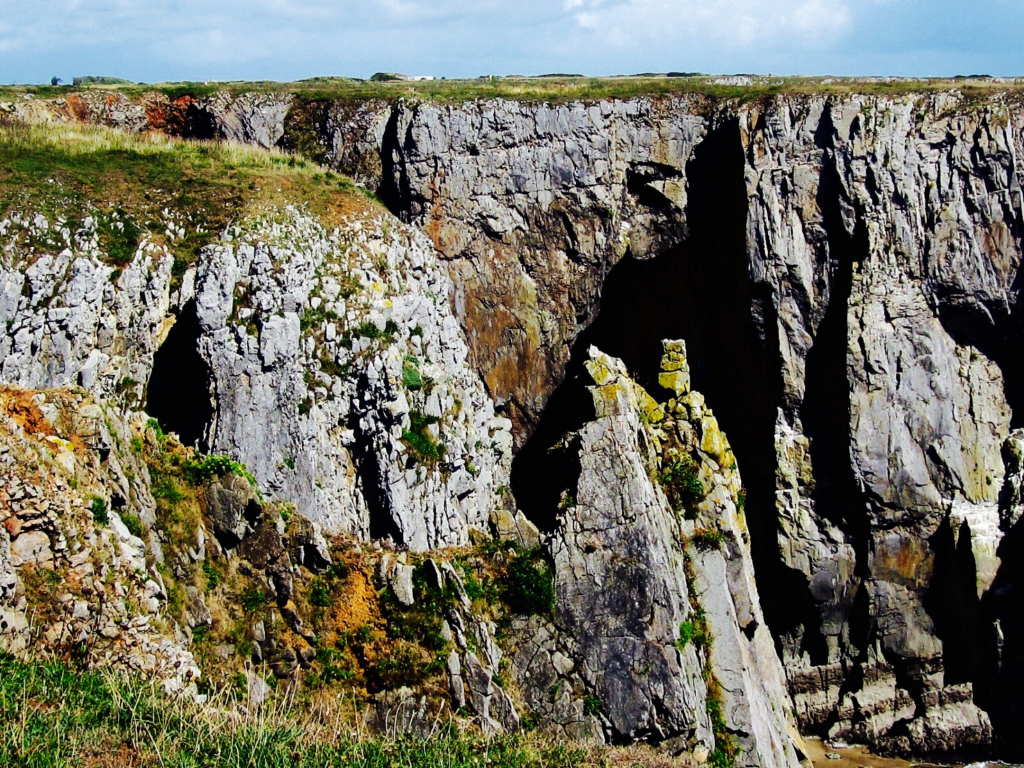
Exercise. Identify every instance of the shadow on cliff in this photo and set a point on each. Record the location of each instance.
(1003, 605)
(699, 291)
(178, 394)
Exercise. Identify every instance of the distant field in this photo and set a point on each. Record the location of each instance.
(552, 89)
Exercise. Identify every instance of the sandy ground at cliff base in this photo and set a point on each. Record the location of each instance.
(853, 757)
(861, 757)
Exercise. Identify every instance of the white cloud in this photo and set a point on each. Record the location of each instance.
(200, 39)
(730, 24)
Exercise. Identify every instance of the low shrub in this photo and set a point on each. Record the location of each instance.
(424, 449)
(98, 507)
(529, 586)
(681, 481)
(202, 470)
(133, 524)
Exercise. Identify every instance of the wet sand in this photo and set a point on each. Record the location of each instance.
(861, 757)
(853, 757)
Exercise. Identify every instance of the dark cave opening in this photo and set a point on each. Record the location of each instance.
(178, 394)
(1004, 603)
(699, 291)
(374, 486)
(953, 604)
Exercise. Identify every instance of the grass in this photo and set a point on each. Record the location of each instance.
(423, 448)
(681, 481)
(53, 715)
(126, 182)
(99, 511)
(554, 89)
(529, 588)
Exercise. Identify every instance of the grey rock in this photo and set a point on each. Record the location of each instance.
(233, 507)
(400, 580)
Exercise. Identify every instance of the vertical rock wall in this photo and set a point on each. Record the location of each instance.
(658, 631)
(885, 233)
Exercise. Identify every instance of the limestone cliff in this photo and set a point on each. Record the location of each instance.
(658, 631)
(844, 271)
(328, 362)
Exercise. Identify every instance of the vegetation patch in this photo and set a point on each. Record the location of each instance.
(52, 715)
(202, 470)
(98, 507)
(423, 448)
(707, 539)
(411, 377)
(126, 189)
(529, 585)
(681, 481)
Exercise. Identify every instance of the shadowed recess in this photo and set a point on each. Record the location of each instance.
(178, 395)
(699, 291)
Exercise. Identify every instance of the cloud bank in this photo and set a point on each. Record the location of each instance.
(288, 39)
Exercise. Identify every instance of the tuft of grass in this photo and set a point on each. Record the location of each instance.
(202, 470)
(253, 600)
(319, 594)
(529, 586)
(133, 524)
(681, 481)
(411, 377)
(423, 448)
(707, 539)
(98, 507)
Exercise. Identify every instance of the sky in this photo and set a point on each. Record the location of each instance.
(174, 40)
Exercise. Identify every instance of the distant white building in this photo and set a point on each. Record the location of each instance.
(422, 77)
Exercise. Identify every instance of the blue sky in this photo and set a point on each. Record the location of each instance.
(160, 40)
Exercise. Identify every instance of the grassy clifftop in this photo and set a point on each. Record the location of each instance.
(115, 189)
(547, 89)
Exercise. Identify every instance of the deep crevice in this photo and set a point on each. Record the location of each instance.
(699, 291)
(953, 604)
(1004, 602)
(395, 190)
(825, 417)
(373, 484)
(178, 394)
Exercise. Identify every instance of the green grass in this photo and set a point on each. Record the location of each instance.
(529, 586)
(423, 448)
(203, 470)
(411, 377)
(538, 89)
(52, 715)
(99, 511)
(681, 481)
(126, 181)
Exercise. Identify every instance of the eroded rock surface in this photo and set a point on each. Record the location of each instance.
(646, 560)
(327, 362)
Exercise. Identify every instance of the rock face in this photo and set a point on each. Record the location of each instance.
(66, 581)
(329, 363)
(880, 248)
(844, 270)
(658, 630)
